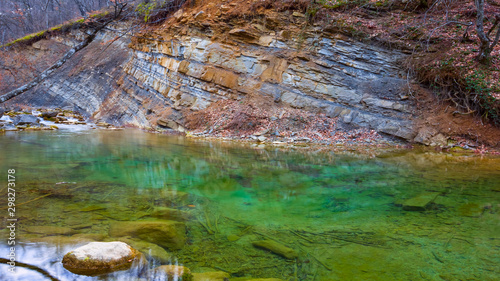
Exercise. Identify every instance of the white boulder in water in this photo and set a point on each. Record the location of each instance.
(101, 257)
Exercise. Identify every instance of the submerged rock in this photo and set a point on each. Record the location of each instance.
(170, 273)
(167, 234)
(101, 257)
(150, 250)
(171, 214)
(265, 279)
(233, 237)
(211, 276)
(471, 210)
(276, 248)
(175, 197)
(49, 230)
(420, 202)
(25, 119)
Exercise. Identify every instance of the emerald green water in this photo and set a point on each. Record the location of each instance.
(340, 211)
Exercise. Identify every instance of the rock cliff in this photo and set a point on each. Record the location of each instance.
(196, 59)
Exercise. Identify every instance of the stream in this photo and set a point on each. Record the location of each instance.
(343, 212)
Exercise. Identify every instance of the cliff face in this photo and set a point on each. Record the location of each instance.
(184, 68)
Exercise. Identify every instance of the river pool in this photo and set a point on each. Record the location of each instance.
(344, 213)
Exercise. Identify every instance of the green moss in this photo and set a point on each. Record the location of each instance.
(476, 83)
(187, 277)
(99, 15)
(61, 27)
(26, 38)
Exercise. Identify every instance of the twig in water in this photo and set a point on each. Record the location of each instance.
(207, 220)
(301, 236)
(437, 258)
(269, 237)
(205, 226)
(29, 201)
(320, 262)
(216, 225)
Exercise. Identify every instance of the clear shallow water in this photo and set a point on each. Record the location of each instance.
(340, 212)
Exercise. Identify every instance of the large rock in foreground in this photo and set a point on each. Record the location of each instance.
(168, 234)
(101, 257)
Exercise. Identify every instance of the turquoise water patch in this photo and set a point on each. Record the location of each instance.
(410, 215)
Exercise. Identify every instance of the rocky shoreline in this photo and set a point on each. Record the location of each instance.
(359, 139)
(44, 120)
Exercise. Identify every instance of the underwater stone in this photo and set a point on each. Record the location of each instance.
(173, 196)
(232, 237)
(276, 248)
(265, 279)
(420, 202)
(170, 273)
(170, 214)
(471, 210)
(150, 250)
(211, 276)
(100, 257)
(91, 236)
(49, 230)
(167, 234)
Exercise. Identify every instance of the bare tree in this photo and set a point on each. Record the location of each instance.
(81, 7)
(487, 44)
(37, 80)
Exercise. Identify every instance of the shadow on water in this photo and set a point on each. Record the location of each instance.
(410, 215)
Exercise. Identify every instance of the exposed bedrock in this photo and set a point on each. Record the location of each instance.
(155, 76)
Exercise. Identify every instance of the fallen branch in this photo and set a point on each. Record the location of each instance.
(32, 267)
(320, 262)
(29, 201)
(43, 196)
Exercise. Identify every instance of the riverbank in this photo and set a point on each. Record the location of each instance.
(259, 125)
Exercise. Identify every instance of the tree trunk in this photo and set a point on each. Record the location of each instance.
(484, 48)
(81, 7)
(49, 70)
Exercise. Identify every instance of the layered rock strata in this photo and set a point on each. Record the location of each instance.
(161, 75)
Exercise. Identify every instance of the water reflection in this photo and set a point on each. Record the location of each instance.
(341, 213)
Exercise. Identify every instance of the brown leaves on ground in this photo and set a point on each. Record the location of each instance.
(254, 117)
